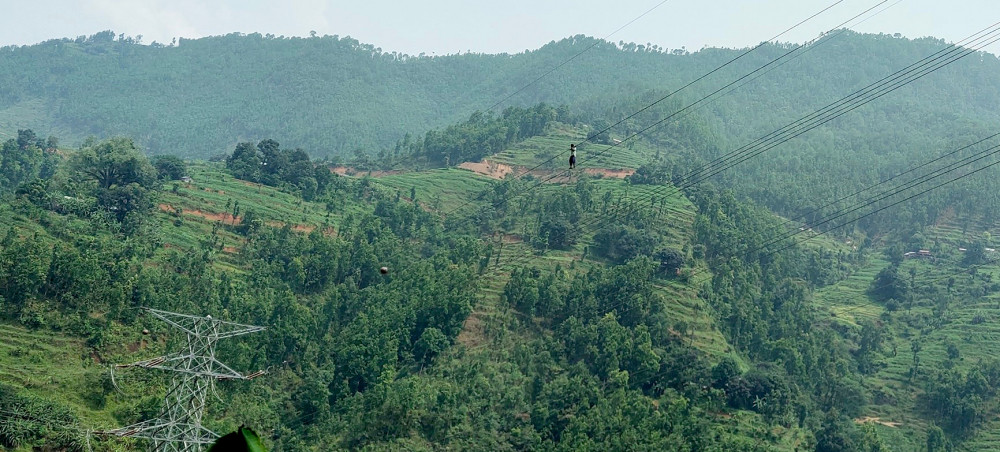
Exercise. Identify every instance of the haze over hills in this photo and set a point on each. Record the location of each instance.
(627, 305)
(334, 96)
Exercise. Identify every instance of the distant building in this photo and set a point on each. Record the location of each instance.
(186, 179)
(918, 254)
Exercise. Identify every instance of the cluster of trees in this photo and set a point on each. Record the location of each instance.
(613, 336)
(110, 179)
(26, 158)
(961, 401)
(481, 135)
(268, 164)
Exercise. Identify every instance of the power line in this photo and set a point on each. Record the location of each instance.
(827, 113)
(991, 151)
(911, 169)
(560, 65)
(855, 100)
(760, 71)
(661, 99)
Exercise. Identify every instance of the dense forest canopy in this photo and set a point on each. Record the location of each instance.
(335, 96)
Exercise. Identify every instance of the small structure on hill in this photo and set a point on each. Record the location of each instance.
(919, 254)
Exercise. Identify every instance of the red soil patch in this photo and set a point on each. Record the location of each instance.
(488, 168)
(343, 170)
(167, 208)
(349, 171)
(512, 238)
(497, 170)
(472, 335)
(866, 419)
(229, 249)
(211, 216)
(620, 173)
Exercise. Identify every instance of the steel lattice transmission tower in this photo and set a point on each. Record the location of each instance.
(178, 428)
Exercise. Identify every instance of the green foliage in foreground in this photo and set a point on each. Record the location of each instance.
(598, 314)
(242, 440)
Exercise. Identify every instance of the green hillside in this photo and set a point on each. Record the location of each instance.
(334, 96)
(615, 307)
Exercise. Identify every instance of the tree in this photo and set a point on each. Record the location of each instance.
(113, 162)
(975, 254)
(726, 370)
(170, 167)
(889, 284)
(21, 160)
(936, 441)
(670, 260)
(836, 435)
(245, 163)
(556, 233)
(124, 180)
(432, 342)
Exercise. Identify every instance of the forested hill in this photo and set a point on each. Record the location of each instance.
(334, 96)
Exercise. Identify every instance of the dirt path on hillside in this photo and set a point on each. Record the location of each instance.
(354, 172)
(306, 228)
(496, 170)
(619, 173)
(867, 419)
(224, 217)
(472, 335)
(491, 169)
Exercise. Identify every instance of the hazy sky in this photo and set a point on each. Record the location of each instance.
(451, 26)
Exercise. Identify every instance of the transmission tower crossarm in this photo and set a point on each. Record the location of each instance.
(153, 429)
(178, 427)
(193, 324)
(200, 365)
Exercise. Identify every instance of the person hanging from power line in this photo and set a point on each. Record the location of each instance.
(572, 156)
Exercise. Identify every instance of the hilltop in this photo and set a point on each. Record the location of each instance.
(337, 97)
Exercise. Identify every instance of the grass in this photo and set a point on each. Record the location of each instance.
(552, 151)
(441, 190)
(188, 212)
(970, 323)
(847, 301)
(55, 367)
